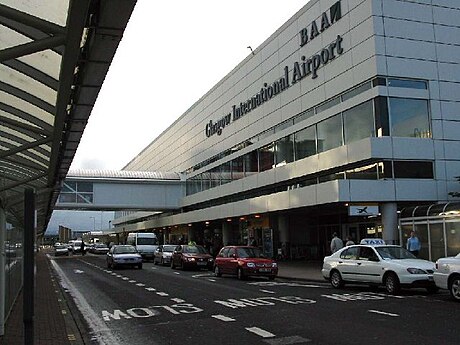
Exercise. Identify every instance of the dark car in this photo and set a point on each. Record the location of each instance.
(244, 261)
(191, 256)
(123, 255)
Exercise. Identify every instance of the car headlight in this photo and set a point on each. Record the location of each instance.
(416, 271)
(251, 264)
(274, 264)
(211, 259)
(191, 259)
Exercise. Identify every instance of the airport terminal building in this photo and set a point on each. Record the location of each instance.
(346, 115)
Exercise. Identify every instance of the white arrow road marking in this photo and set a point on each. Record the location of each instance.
(202, 275)
(211, 280)
(150, 289)
(154, 268)
(267, 291)
(177, 300)
(176, 273)
(132, 281)
(382, 313)
(140, 284)
(260, 332)
(164, 294)
(78, 271)
(222, 318)
(125, 278)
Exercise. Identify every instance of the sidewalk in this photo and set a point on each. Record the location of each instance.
(54, 324)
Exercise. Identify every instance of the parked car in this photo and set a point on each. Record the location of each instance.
(61, 249)
(188, 256)
(163, 254)
(99, 248)
(447, 275)
(123, 255)
(244, 261)
(388, 265)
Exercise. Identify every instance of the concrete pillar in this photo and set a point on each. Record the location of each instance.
(390, 222)
(226, 233)
(2, 271)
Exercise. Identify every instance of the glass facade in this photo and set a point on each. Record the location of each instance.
(358, 122)
(409, 118)
(329, 133)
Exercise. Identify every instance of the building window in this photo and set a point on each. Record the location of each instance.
(329, 133)
(284, 150)
(409, 118)
(226, 172)
(359, 122)
(305, 143)
(406, 83)
(251, 166)
(368, 172)
(237, 168)
(266, 157)
(411, 169)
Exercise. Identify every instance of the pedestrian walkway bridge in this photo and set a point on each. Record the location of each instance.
(120, 190)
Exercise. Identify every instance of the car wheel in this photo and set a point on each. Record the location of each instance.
(336, 280)
(454, 287)
(240, 274)
(217, 272)
(391, 282)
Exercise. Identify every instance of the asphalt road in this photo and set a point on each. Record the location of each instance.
(158, 305)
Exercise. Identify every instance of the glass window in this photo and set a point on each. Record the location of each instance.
(305, 143)
(237, 168)
(329, 133)
(409, 118)
(350, 253)
(358, 122)
(85, 187)
(251, 165)
(410, 169)
(410, 84)
(367, 253)
(85, 198)
(385, 170)
(226, 173)
(328, 104)
(453, 238)
(215, 177)
(69, 186)
(381, 116)
(205, 181)
(437, 241)
(305, 115)
(283, 125)
(368, 172)
(356, 91)
(266, 157)
(266, 133)
(68, 197)
(331, 177)
(284, 150)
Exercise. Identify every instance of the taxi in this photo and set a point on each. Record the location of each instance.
(375, 263)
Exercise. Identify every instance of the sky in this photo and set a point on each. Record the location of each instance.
(168, 46)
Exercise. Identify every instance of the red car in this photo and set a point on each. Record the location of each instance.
(187, 256)
(244, 261)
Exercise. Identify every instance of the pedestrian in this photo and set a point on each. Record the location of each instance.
(336, 243)
(413, 243)
(350, 241)
(82, 248)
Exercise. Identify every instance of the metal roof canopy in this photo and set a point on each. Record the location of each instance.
(54, 56)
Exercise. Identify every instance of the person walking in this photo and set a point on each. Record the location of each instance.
(336, 243)
(82, 248)
(413, 244)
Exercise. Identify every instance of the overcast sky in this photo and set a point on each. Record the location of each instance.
(167, 47)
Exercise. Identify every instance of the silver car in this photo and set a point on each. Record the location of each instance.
(163, 254)
(123, 255)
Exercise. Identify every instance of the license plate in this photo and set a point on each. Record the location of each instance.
(202, 263)
(264, 270)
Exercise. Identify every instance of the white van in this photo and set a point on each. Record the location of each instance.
(145, 243)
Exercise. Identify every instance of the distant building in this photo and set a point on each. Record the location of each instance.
(65, 234)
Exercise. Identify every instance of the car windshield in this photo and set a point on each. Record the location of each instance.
(124, 250)
(146, 241)
(194, 249)
(169, 248)
(249, 252)
(391, 253)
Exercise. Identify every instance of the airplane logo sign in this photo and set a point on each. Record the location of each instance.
(363, 210)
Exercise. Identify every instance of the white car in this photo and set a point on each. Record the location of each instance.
(447, 275)
(388, 265)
